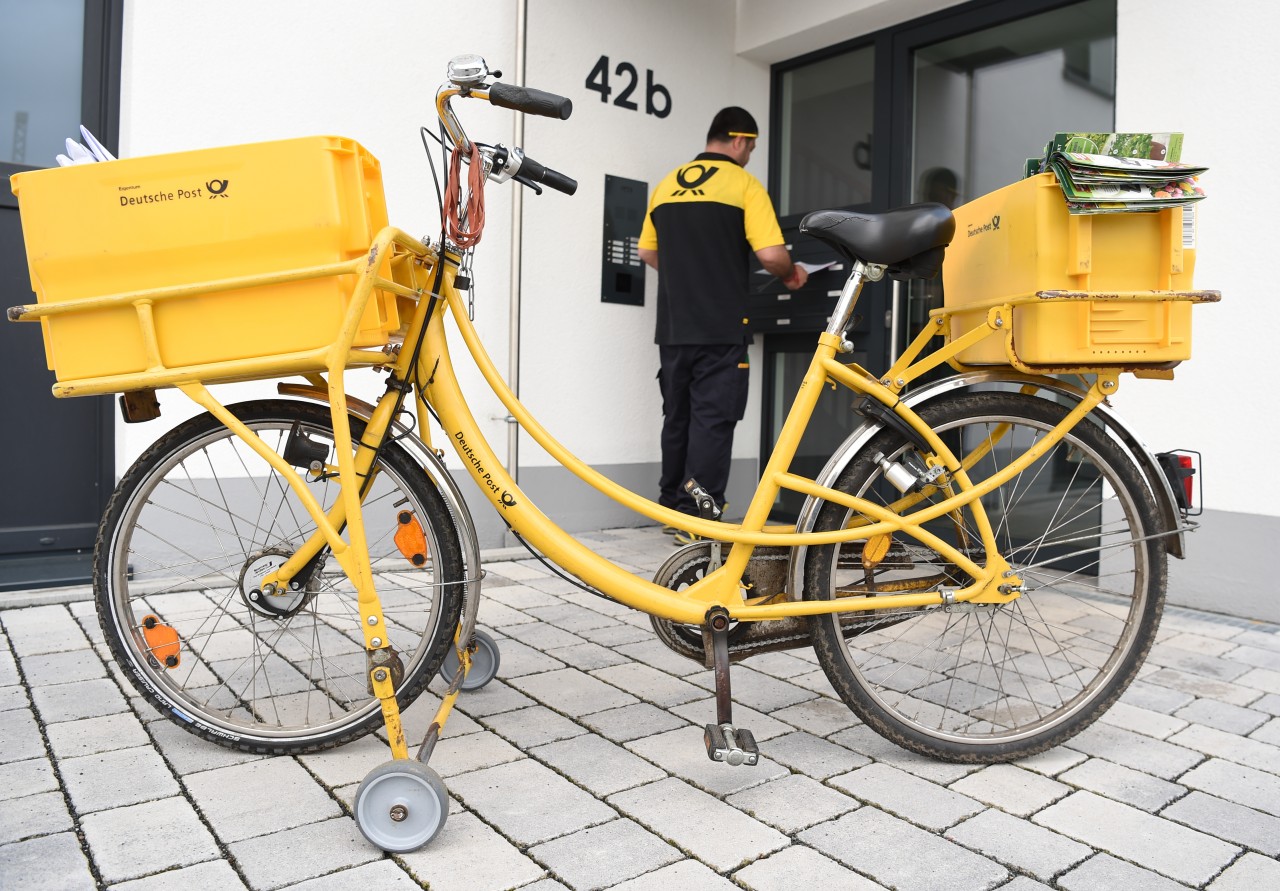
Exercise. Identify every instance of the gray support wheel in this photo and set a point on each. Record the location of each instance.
(484, 663)
(401, 805)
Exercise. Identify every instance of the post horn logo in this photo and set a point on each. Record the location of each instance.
(217, 188)
(689, 180)
(995, 222)
(508, 500)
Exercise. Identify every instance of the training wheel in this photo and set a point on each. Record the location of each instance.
(484, 663)
(401, 805)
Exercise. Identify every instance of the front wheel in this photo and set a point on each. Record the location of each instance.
(982, 683)
(200, 519)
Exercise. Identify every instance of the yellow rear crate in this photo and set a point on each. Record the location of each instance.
(1020, 240)
(117, 227)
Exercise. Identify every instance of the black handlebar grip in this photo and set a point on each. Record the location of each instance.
(543, 175)
(530, 101)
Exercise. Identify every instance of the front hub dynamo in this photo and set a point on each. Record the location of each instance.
(280, 604)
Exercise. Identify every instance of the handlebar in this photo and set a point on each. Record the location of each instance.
(534, 172)
(530, 101)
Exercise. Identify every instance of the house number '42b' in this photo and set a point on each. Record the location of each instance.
(598, 80)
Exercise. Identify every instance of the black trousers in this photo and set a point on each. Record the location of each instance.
(704, 395)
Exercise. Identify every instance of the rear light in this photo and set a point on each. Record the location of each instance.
(1182, 469)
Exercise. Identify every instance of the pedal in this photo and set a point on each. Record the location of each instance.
(731, 745)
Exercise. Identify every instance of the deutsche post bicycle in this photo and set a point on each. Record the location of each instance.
(980, 567)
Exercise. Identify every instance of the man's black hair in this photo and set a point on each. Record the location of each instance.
(731, 120)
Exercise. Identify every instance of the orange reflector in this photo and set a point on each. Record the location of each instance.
(162, 642)
(875, 550)
(410, 539)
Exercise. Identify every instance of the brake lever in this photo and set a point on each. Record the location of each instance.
(537, 189)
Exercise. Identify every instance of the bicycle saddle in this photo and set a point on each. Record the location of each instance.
(908, 240)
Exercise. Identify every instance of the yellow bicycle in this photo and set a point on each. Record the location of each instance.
(980, 567)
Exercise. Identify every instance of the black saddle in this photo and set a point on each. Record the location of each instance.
(909, 241)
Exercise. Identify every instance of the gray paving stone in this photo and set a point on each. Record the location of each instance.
(1197, 663)
(1104, 871)
(569, 617)
(813, 756)
(533, 726)
(20, 738)
(188, 753)
(92, 736)
(349, 763)
(48, 669)
(820, 716)
(14, 697)
(632, 722)
(1156, 698)
(8, 667)
(1153, 756)
(1249, 873)
(1268, 733)
(330, 845)
(468, 855)
(48, 863)
(899, 855)
(1270, 703)
(41, 814)
(588, 656)
(865, 741)
(1235, 782)
(572, 692)
(1019, 844)
(764, 693)
(1123, 784)
(213, 875)
(1249, 752)
(543, 636)
(1222, 716)
(528, 802)
(653, 652)
(1239, 693)
(460, 754)
(247, 800)
(1151, 842)
(520, 659)
(1012, 789)
(801, 867)
(81, 699)
(1198, 643)
(1227, 820)
(792, 803)
(1053, 762)
(684, 874)
(614, 635)
(682, 814)
(910, 797)
(42, 629)
(382, 874)
(495, 697)
(780, 665)
(682, 753)
(1268, 639)
(1257, 657)
(523, 597)
(649, 684)
(762, 726)
(598, 765)
(133, 841)
(1022, 883)
(22, 778)
(1141, 720)
(114, 779)
(599, 856)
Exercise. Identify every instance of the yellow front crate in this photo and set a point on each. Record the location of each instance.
(124, 226)
(1020, 241)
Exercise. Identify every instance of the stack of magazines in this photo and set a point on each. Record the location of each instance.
(1120, 172)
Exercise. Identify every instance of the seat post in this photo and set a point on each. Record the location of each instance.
(843, 314)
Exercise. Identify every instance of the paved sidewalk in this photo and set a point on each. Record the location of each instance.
(582, 767)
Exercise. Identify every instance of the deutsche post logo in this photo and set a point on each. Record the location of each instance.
(691, 177)
(217, 188)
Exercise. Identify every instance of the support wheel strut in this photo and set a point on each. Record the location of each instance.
(401, 805)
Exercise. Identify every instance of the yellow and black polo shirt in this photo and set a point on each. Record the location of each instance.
(705, 219)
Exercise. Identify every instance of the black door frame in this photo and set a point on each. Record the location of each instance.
(100, 112)
(891, 159)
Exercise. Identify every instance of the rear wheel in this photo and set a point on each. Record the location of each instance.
(985, 683)
(194, 526)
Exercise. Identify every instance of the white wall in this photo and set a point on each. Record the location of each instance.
(1219, 89)
(240, 71)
